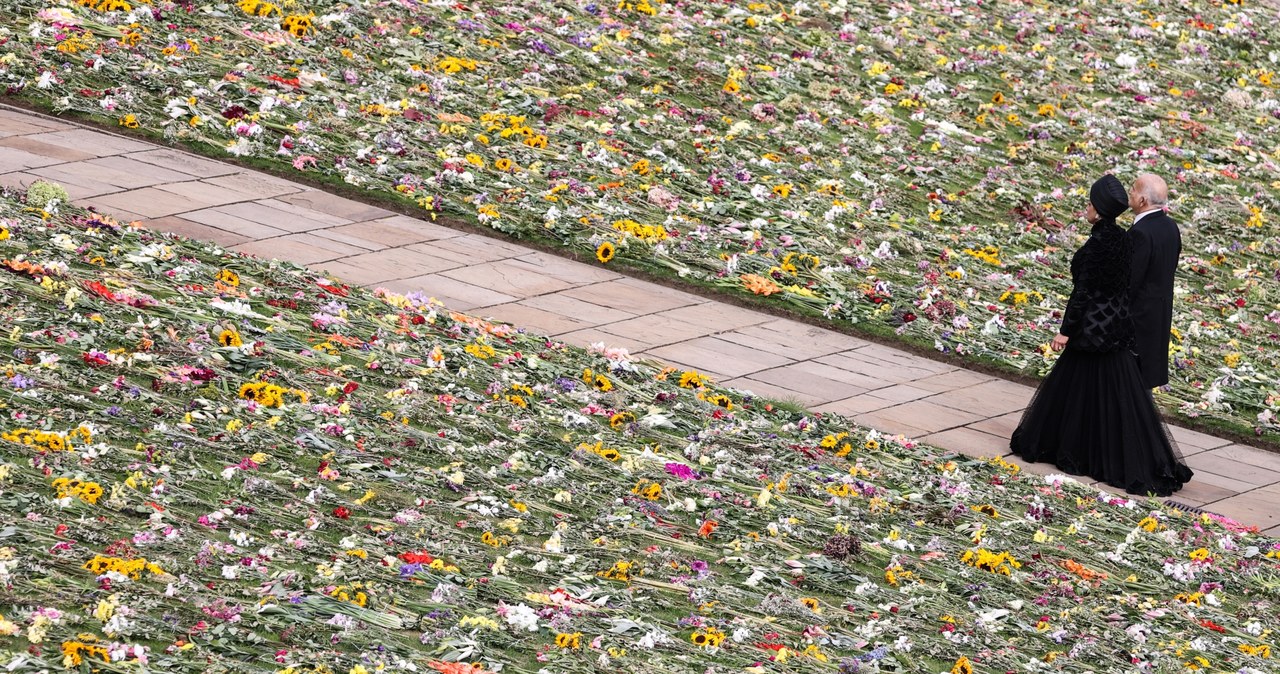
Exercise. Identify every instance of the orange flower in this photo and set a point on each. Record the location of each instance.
(1081, 570)
(707, 528)
(456, 668)
(759, 284)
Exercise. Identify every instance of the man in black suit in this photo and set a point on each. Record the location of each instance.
(1157, 246)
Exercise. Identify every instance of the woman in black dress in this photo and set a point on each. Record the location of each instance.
(1092, 415)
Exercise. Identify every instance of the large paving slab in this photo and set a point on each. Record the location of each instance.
(961, 411)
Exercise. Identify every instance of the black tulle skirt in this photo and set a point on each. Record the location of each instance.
(1093, 416)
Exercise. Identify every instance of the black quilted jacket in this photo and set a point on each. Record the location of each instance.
(1097, 317)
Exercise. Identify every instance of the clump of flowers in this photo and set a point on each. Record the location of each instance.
(258, 8)
(133, 568)
(842, 546)
(47, 440)
(708, 637)
(46, 196)
(993, 562)
(268, 394)
(607, 453)
(74, 653)
(89, 492)
(621, 570)
(297, 25)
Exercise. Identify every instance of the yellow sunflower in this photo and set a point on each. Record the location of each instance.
(606, 252)
(91, 492)
(230, 337)
(620, 420)
(602, 383)
(691, 379)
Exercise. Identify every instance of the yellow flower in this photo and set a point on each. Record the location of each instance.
(230, 337)
(570, 641)
(720, 400)
(651, 491)
(691, 379)
(296, 25)
(605, 252)
(228, 277)
(620, 420)
(988, 510)
(90, 492)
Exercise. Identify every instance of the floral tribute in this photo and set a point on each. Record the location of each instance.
(363, 481)
(908, 167)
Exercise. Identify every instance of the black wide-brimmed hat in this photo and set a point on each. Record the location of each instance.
(1108, 197)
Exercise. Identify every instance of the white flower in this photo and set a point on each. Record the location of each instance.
(239, 147)
(230, 572)
(238, 307)
(1126, 60)
(308, 79)
(553, 544)
(522, 617)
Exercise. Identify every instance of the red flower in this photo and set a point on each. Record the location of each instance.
(1212, 625)
(342, 512)
(340, 290)
(350, 388)
(416, 557)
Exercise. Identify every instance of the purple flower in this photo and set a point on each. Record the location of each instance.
(20, 382)
(566, 384)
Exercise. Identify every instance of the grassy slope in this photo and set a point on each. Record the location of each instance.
(1194, 105)
(421, 483)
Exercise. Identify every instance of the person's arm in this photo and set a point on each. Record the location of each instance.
(1073, 315)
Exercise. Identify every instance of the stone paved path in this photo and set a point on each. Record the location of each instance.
(878, 386)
